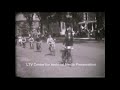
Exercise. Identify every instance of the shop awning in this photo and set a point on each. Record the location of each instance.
(87, 22)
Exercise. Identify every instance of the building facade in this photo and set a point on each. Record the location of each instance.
(88, 24)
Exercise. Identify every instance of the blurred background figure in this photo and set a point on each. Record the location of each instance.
(31, 40)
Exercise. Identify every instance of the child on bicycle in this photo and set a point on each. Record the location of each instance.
(31, 40)
(20, 40)
(68, 42)
(24, 41)
(51, 41)
(38, 42)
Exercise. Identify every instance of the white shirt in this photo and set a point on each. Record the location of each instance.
(31, 40)
(50, 40)
(24, 40)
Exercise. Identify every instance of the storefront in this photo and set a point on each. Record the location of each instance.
(87, 25)
(87, 29)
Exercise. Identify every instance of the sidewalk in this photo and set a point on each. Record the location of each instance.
(88, 39)
(80, 38)
(84, 38)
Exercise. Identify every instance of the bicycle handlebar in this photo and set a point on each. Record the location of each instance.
(68, 47)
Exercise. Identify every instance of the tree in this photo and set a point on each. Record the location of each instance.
(43, 16)
(29, 17)
(24, 29)
(52, 17)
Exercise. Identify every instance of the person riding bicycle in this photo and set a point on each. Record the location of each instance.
(38, 41)
(51, 41)
(24, 41)
(68, 42)
(20, 40)
(31, 40)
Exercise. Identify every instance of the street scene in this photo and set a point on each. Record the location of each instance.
(64, 44)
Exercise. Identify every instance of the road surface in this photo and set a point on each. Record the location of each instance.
(30, 63)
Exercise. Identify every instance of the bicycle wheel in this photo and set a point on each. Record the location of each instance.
(50, 49)
(64, 57)
(30, 45)
(54, 52)
(23, 45)
(37, 46)
(69, 57)
(40, 47)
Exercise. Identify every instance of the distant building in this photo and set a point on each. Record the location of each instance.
(88, 22)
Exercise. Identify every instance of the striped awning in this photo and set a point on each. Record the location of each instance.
(87, 22)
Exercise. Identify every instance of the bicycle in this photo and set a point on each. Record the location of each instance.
(38, 46)
(24, 44)
(52, 49)
(20, 42)
(31, 45)
(66, 56)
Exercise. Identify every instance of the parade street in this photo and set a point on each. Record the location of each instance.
(31, 63)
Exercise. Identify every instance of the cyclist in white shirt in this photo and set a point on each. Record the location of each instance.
(50, 41)
(31, 40)
(20, 40)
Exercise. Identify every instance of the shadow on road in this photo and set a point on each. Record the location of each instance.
(61, 51)
(77, 41)
(60, 62)
(49, 54)
(37, 51)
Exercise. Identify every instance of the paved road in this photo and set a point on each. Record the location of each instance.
(30, 63)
